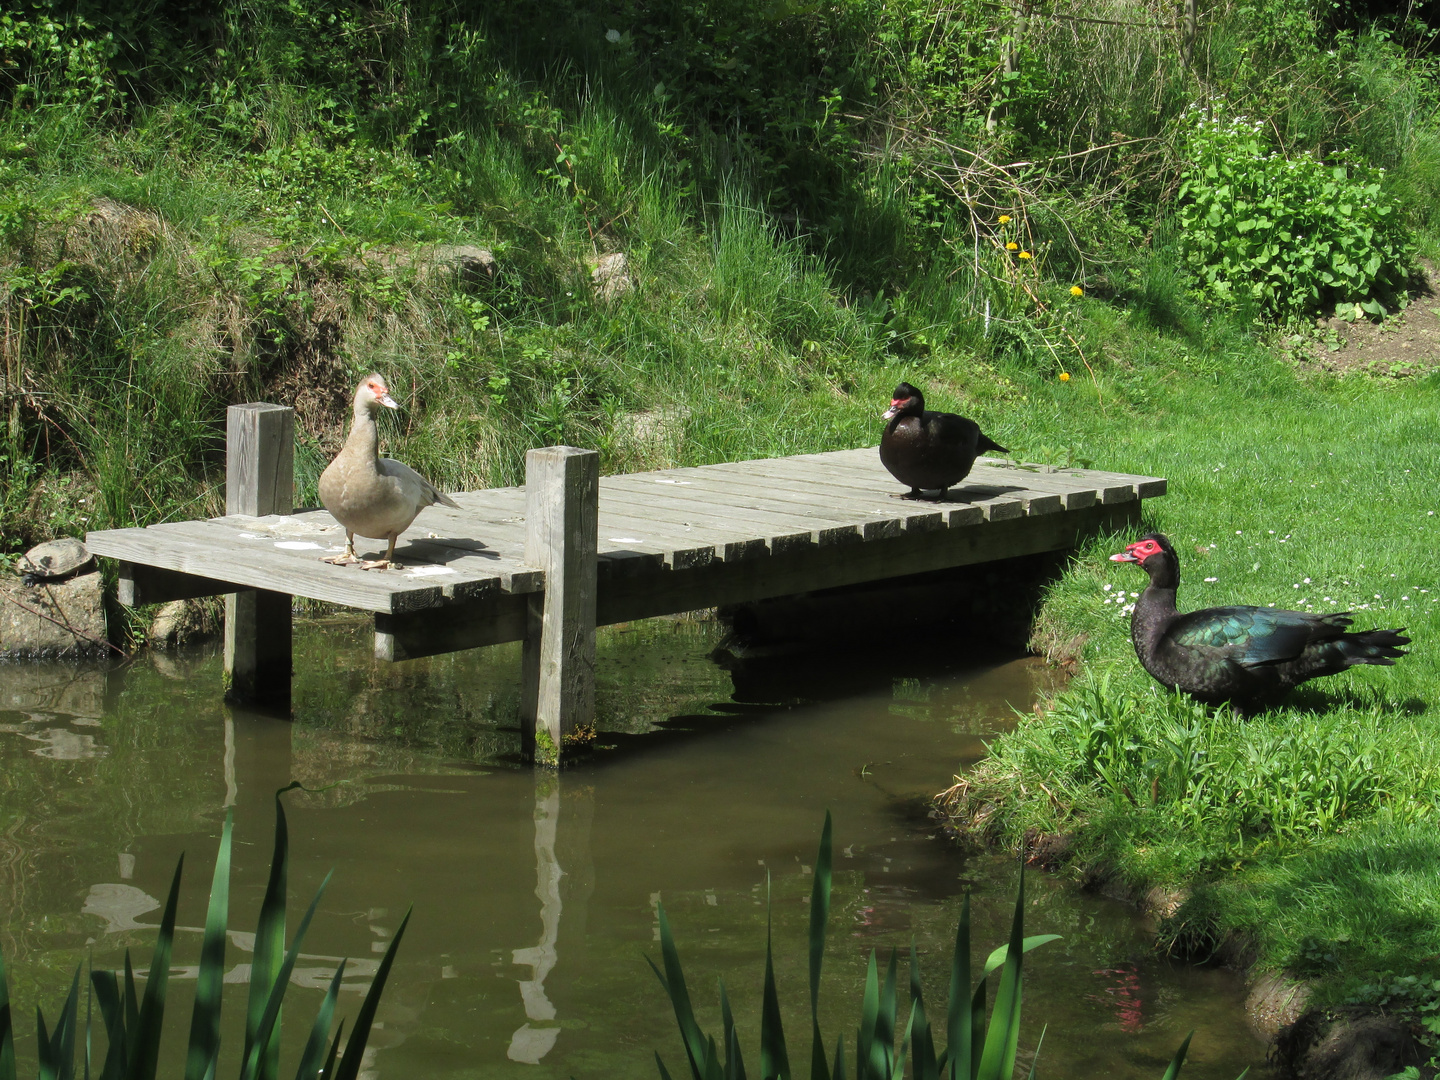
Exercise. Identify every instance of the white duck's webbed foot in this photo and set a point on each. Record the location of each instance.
(382, 564)
(346, 557)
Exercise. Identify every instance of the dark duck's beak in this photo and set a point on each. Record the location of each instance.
(1128, 555)
(894, 408)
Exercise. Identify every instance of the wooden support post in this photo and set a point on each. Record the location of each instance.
(259, 481)
(562, 503)
(1187, 34)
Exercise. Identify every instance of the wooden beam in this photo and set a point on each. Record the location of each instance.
(562, 498)
(824, 568)
(141, 584)
(409, 635)
(259, 481)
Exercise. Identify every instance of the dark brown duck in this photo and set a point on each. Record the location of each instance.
(929, 451)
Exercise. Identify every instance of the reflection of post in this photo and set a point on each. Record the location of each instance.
(232, 789)
(262, 765)
(562, 825)
(530, 1044)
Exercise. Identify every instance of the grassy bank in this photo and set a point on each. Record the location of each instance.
(1306, 833)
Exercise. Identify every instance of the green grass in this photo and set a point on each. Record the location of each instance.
(1303, 831)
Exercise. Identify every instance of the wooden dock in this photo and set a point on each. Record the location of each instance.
(610, 550)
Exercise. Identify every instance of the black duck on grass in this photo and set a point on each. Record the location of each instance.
(1248, 656)
(930, 451)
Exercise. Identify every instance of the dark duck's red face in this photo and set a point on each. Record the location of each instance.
(1141, 550)
(905, 399)
(1156, 557)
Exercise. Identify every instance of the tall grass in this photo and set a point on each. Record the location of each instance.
(976, 1048)
(133, 1023)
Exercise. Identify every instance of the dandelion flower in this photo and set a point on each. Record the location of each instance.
(1004, 219)
(1064, 376)
(1012, 246)
(1076, 290)
(1024, 255)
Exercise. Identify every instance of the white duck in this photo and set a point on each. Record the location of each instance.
(370, 495)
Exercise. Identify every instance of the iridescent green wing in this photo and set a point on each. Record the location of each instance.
(1248, 635)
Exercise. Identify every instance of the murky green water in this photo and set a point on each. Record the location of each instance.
(535, 896)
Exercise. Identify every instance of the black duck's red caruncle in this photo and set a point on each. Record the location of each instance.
(1248, 656)
(929, 451)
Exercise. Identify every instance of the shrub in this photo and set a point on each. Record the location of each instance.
(1292, 235)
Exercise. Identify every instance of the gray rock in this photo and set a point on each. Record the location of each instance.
(467, 260)
(611, 276)
(63, 618)
(55, 560)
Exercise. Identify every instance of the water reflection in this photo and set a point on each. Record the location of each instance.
(535, 894)
(530, 1044)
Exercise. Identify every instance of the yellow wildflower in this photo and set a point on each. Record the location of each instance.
(1076, 290)
(1024, 255)
(1004, 219)
(1064, 376)
(1012, 246)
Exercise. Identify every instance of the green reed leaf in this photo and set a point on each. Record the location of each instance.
(349, 1067)
(204, 1047)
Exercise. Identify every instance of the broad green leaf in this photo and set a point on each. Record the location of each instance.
(1179, 1059)
(269, 946)
(349, 1067)
(313, 1056)
(145, 1035)
(819, 918)
(996, 958)
(204, 1048)
(774, 1058)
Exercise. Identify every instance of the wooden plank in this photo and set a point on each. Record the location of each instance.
(988, 491)
(738, 532)
(192, 548)
(492, 621)
(1105, 491)
(562, 495)
(995, 504)
(1037, 484)
(758, 498)
(806, 502)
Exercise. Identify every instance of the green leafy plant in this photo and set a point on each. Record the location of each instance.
(974, 1050)
(1290, 235)
(133, 1023)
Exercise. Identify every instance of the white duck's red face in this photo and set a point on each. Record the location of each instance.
(1139, 551)
(374, 386)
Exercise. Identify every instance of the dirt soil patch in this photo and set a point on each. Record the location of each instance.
(1406, 343)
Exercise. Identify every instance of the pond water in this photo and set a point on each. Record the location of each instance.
(535, 895)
